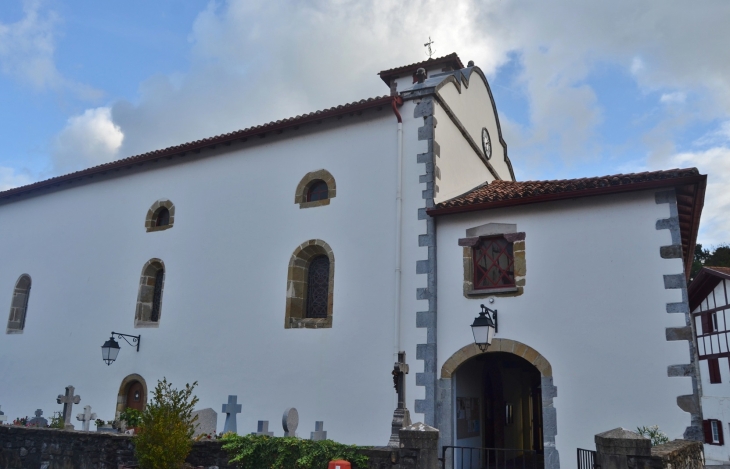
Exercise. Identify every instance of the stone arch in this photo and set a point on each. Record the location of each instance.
(300, 196)
(19, 305)
(498, 345)
(150, 222)
(149, 299)
(127, 382)
(445, 410)
(297, 284)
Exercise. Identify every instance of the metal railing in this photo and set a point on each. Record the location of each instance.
(466, 457)
(586, 459)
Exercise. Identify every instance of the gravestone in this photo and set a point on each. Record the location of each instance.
(68, 400)
(319, 432)
(290, 421)
(3, 417)
(207, 422)
(263, 428)
(86, 417)
(401, 416)
(38, 420)
(231, 409)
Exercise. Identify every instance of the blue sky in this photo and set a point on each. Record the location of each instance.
(582, 88)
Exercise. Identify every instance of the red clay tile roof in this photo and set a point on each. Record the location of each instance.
(198, 145)
(721, 270)
(500, 193)
(451, 60)
(688, 184)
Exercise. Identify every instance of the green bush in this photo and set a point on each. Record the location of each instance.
(266, 452)
(657, 436)
(166, 427)
(131, 417)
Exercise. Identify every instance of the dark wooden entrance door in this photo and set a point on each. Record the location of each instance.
(135, 396)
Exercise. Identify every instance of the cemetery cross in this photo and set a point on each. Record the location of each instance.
(68, 400)
(401, 416)
(86, 417)
(231, 409)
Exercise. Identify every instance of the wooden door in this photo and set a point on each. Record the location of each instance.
(135, 396)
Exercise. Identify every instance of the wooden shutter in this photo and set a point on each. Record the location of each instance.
(719, 433)
(714, 365)
(707, 430)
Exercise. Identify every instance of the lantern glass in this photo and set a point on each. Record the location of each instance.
(109, 351)
(483, 329)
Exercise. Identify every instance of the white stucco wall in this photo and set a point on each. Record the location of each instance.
(222, 322)
(474, 108)
(594, 306)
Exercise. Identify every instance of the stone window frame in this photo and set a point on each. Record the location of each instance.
(19, 305)
(296, 286)
(150, 222)
(510, 233)
(300, 196)
(145, 295)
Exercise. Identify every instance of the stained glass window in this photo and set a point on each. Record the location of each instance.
(318, 190)
(318, 287)
(493, 264)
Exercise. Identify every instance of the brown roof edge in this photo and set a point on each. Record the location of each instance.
(697, 206)
(704, 282)
(200, 144)
(453, 59)
(639, 186)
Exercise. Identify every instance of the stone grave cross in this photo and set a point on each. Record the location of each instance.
(38, 420)
(231, 409)
(86, 417)
(290, 421)
(3, 417)
(68, 400)
(319, 432)
(401, 416)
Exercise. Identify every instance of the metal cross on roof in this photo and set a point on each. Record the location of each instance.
(428, 46)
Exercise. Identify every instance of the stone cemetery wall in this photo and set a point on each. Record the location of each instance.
(48, 448)
(623, 449)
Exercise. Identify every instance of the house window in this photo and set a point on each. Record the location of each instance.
(161, 216)
(714, 366)
(19, 305)
(494, 264)
(713, 432)
(310, 286)
(149, 297)
(318, 287)
(315, 189)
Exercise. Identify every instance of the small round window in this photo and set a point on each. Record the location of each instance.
(318, 190)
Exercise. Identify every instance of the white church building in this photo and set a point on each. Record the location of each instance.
(289, 263)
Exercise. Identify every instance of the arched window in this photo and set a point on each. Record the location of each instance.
(149, 298)
(318, 287)
(310, 286)
(315, 189)
(161, 216)
(19, 305)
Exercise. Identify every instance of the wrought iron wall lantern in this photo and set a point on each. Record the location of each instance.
(484, 327)
(110, 349)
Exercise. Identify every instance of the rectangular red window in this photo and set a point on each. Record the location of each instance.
(494, 264)
(714, 365)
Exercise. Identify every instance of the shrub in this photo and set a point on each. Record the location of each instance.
(131, 417)
(166, 427)
(56, 421)
(266, 452)
(657, 436)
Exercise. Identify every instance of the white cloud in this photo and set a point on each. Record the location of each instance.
(87, 140)
(677, 97)
(719, 136)
(715, 162)
(10, 178)
(27, 50)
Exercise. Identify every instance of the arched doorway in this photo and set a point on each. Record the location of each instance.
(132, 394)
(501, 398)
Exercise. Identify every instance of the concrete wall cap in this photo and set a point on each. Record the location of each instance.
(420, 427)
(622, 434)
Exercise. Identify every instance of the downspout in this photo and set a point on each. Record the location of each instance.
(398, 101)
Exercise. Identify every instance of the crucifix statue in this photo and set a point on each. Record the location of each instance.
(401, 416)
